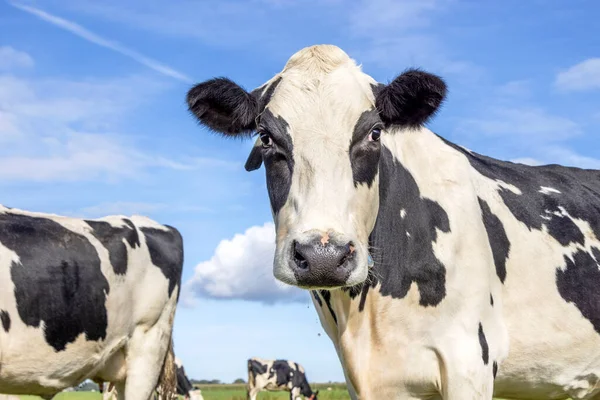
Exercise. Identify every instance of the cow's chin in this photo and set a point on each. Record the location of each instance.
(355, 273)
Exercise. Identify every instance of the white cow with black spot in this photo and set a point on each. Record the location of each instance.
(86, 299)
(278, 375)
(434, 269)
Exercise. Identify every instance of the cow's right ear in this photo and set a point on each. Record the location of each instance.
(255, 158)
(223, 106)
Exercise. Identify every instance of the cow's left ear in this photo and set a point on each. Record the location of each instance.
(411, 99)
(255, 158)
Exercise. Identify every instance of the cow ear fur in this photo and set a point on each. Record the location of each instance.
(411, 99)
(223, 106)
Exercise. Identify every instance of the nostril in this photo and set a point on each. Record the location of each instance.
(299, 259)
(349, 251)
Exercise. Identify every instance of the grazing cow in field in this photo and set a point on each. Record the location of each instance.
(485, 276)
(183, 386)
(86, 299)
(278, 375)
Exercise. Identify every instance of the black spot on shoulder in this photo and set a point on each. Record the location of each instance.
(281, 369)
(402, 260)
(535, 206)
(317, 298)
(491, 300)
(484, 345)
(166, 252)
(278, 159)
(112, 238)
(326, 294)
(58, 279)
(256, 367)
(494, 369)
(364, 154)
(579, 281)
(5, 318)
(497, 238)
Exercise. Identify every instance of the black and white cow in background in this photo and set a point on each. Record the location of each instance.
(278, 375)
(482, 269)
(183, 386)
(86, 299)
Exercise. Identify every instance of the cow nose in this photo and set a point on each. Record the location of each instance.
(322, 263)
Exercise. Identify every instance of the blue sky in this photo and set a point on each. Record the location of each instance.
(93, 122)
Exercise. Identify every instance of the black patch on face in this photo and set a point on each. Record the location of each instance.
(5, 318)
(255, 158)
(166, 252)
(411, 99)
(402, 260)
(491, 300)
(279, 162)
(497, 237)
(495, 369)
(264, 99)
(578, 284)
(579, 195)
(484, 345)
(364, 154)
(112, 239)
(58, 279)
(256, 367)
(317, 298)
(327, 297)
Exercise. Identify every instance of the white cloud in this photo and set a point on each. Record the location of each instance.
(242, 268)
(518, 89)
(566, 156)
(370, 17)
(11, 59)
(67, 130)
(526, 124)
(580, 77)
(100, 41)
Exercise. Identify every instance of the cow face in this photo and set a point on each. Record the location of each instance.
(319, 126)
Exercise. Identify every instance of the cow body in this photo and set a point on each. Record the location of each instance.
(486, 273)
(278, 375)
(85, 299)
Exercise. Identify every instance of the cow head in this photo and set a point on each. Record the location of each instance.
(314, 395)
(319, 125)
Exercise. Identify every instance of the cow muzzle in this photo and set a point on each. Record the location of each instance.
(322, 261)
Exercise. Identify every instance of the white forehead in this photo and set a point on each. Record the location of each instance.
(321, 89)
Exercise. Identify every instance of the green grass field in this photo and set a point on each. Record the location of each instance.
(238, 392)
(222, 392)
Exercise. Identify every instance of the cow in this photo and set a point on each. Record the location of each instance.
(183, 386)
(278, 375)
(86, 299)
(436, 271)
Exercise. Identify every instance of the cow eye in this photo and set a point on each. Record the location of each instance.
(266, 140)
(375, 135)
